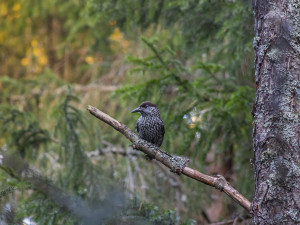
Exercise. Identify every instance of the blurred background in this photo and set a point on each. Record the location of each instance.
(60, 165)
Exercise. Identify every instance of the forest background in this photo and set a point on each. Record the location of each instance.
(194, 59)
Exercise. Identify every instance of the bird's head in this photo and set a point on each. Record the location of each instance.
(147, 109)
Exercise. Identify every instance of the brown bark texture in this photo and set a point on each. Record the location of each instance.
(276, 134)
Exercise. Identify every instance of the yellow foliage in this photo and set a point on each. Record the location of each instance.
(16, 7)
(24, 61)
(37, 57)
(2, 36)
(37, 52)
(89, 59)
(43, 60)
(3, 9)
(116, 35)
(118, 41)
(34, 43)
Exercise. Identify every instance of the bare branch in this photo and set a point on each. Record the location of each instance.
(112, 151)
(177, 164)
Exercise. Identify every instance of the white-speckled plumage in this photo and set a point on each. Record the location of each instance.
(150, 126)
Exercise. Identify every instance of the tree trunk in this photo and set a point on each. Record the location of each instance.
(276, 134)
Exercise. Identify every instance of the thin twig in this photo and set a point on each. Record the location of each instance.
(235, 221)
(224, 222)
(155, 52)
(143, 184)
(112, 151)
(129, 178)
(232, 221)
(177, 164)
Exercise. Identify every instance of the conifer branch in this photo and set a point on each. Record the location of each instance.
(177, 164)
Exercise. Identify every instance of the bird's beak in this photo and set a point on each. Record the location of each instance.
(136, 110)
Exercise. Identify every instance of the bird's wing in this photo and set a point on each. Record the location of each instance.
(137, 127)
(163, 129)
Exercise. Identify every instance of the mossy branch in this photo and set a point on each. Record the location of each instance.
(176, 164)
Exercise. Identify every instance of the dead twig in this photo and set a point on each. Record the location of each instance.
(177, 164)
(226, 222)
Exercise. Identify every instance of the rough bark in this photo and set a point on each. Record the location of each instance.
(276, 133)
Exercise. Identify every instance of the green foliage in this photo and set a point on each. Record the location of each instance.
(38, 35)
(208, 100)
(210, 110)
(94, 194)
(21, 130)
(196, 88)
(189, 57)
(141, 211)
